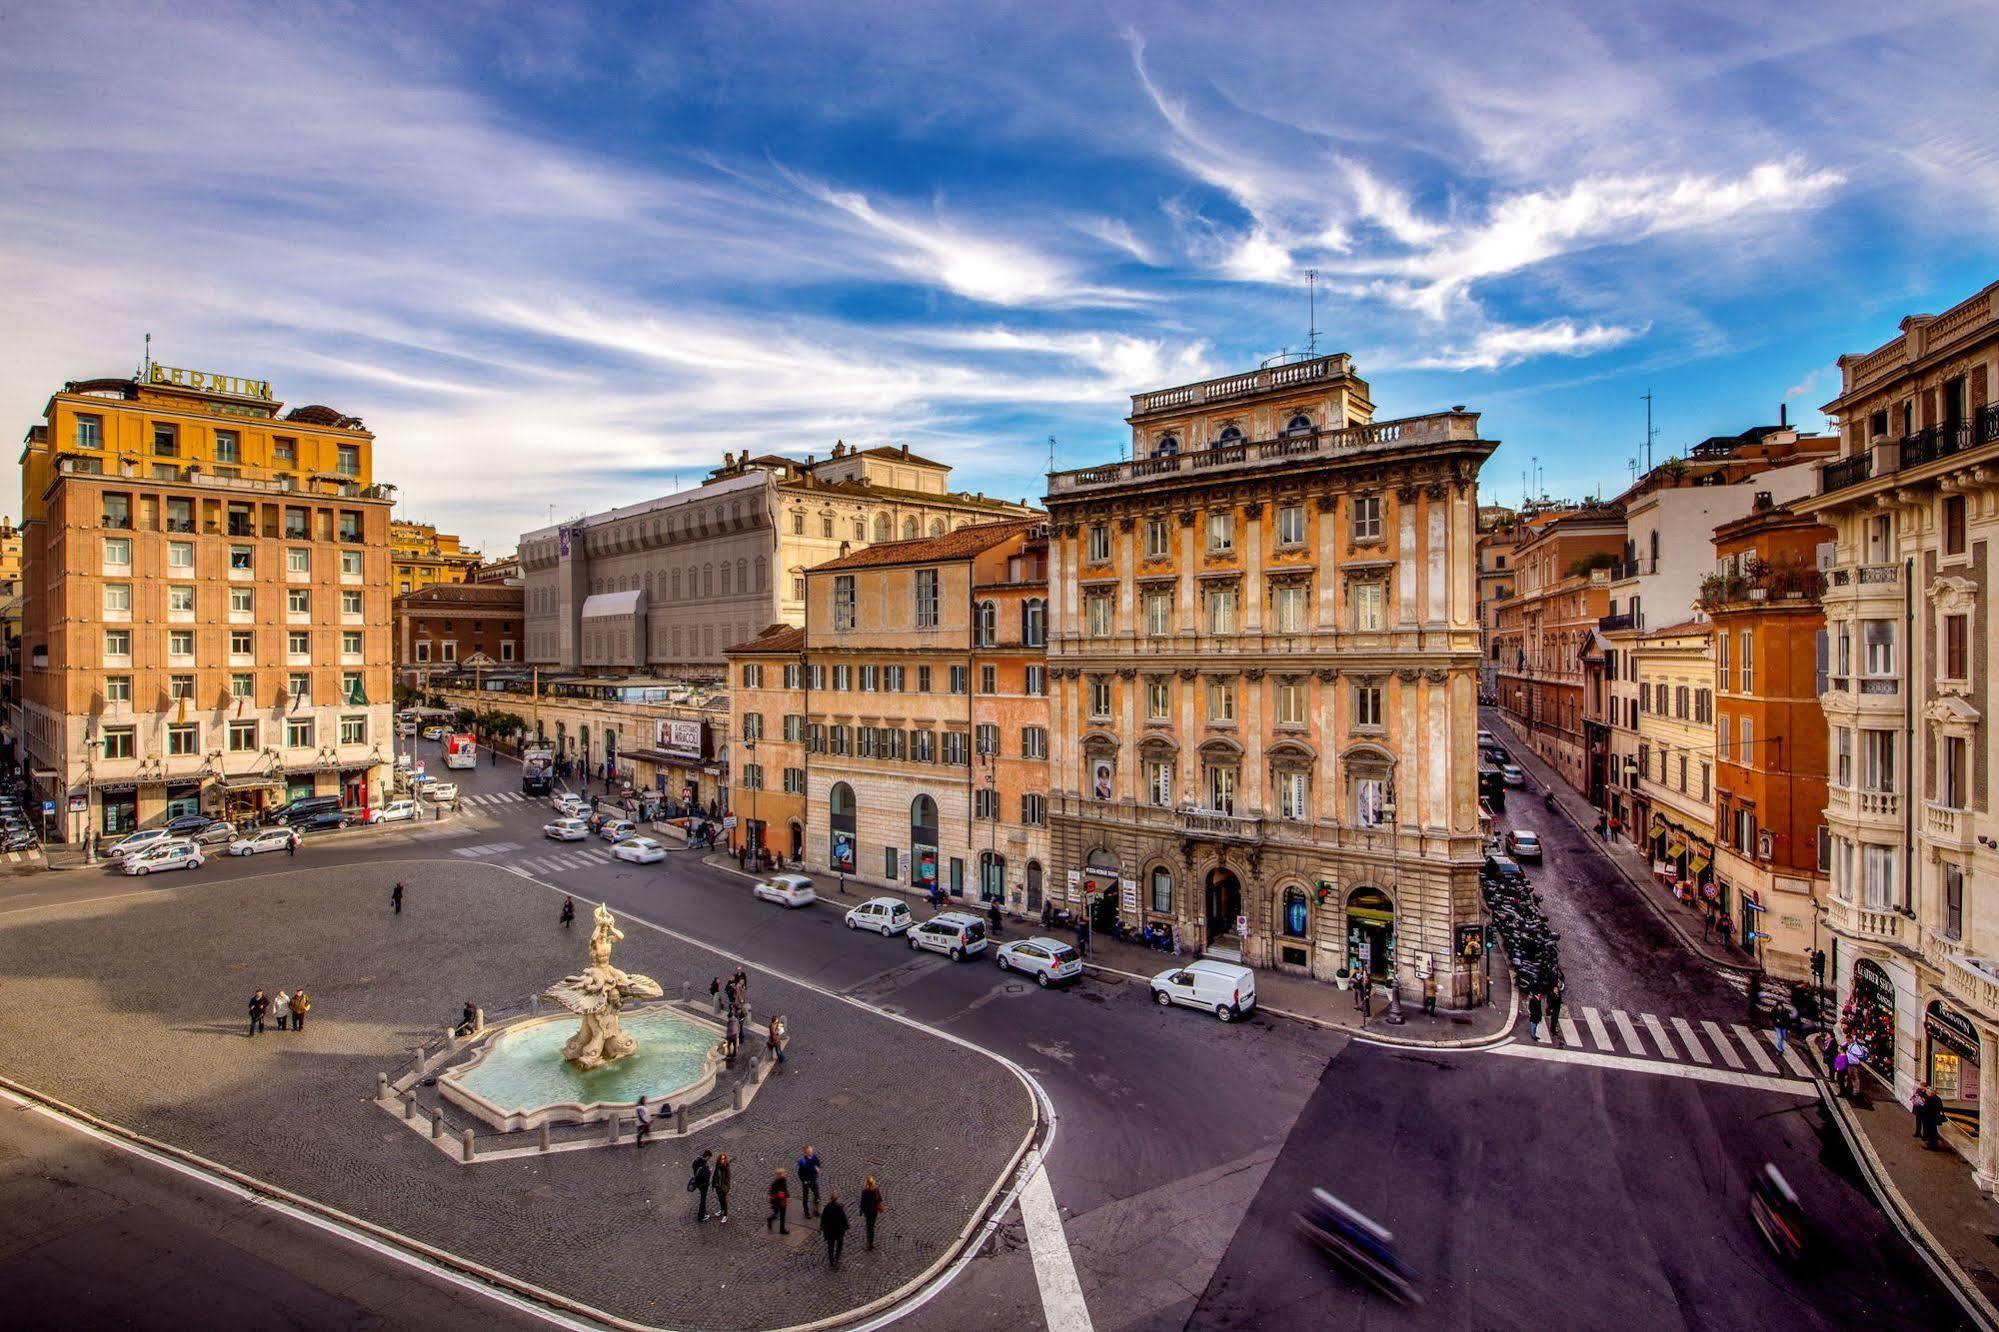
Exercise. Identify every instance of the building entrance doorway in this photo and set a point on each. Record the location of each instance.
(1224, 902)
(1371, 933)
(797, 840)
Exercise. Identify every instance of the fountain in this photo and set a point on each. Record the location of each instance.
(518, 1077)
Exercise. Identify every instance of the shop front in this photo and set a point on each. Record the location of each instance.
(1370, 933)
(1869, 1016)
(1950, 1065)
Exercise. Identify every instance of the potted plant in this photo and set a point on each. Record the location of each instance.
(1342, 977)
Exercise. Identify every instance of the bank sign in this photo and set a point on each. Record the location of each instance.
(204, 382)
(682, 738)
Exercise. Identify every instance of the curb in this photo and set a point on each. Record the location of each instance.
(1892, 1201)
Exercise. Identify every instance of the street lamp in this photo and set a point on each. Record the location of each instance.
(1388, 809)
(992, 830)
(92, 746)
(751, 779)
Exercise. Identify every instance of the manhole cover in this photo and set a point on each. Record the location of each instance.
(1014, 989)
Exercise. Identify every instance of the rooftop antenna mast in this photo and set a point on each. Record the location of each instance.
(146, 363)
(1650, 433)
(1051, 453)
(1312, 312)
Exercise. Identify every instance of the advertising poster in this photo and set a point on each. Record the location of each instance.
(843, 852)
(1100, 779)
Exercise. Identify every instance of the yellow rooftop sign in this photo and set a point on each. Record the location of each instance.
(203, 382)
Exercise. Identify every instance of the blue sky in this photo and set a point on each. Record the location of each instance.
(563, 256)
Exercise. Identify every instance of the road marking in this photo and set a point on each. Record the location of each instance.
(1791, 1060)
(1627, 1031)
(1627, 1065)
(1748, 1038)
(1569, 1032)
(1728, 1055)
(1687, 1038)
(1659, 1035)
(1054, 1268)
(1597, 1031)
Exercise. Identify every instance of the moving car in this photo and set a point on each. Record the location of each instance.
(569, 805)
(396, 811)
(1486, 738)
(792, 890)
(1049, 961)
(441, 792)
(327, 821)
(169, 855)
(138, 841)
(305, 807)
(188, 824)
(1523, 844)
(956, 934)
(640, 851)
(19, 841)
(221, 832)
(433, 732)
(264, 839)
(883, 915)
(1223, 988)
(565, 830)
(1512, 774)
(617, 830)
(1504, 869)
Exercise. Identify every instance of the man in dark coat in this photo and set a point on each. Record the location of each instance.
(833, 1225)
(259, 1005)
(699, 1183)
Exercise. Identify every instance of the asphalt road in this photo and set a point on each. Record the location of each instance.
(1526, 1192)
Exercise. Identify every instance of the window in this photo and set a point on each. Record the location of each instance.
(1155, 538)
(89, 432)
(180, 643)
(298, 685)
(1956, 647)
(1162, 891)
(926, 598)
(242, 643)
(985, 624)
(1291, 701)
(1953, 901)
(1953, 524)
(988, 679)
(120, 742)
(1221, 701)
(228, 447)
(183, 739)
(1099, 548)
(1034, 810)
(1369, 606)
(1288, 606)
(1878, 876)
(298, 600)
(1037, 679)
(349, 460)
(1221, 789)
(1291, 525)
(843, 602)
(350, 563)
(298, 560)
(117, 510)
(1159, 782)
(1953, 776)
(118, 552)
(1367, 706)
(241, 559)
(118, 598)
(353, 730)
(1724, 739)
(180, 688)
(798, 523)
(166, 441)
(1879, 639)
(117, 642)
(893, 678)
(1158, 613)
(1877, 759)
(242, 737)
(1293, 796)
(961, 679)
(1097, 614)
(242, 685)
(299, 642)
(794, 778)
(1034, 622)
(1158, 698)
(1221, 610)
(118, 689)
(1367, 518)
(843, 678)
(1724, 669)
(1100, 696)
(242, 601)
(753, 726)
(753, 676)
(1842, 750)
(1680, 701)
(1221, 531)
(1034, 742)
(298, 733)
(1747, 642)
(956, 748)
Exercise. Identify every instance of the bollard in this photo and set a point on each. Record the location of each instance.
(680, 1121)
(683, 992)
(436, 1125)
(613, 1121)
(737, 1096)
(544, 1136)
(478, 1020)
(469, 1149)
(381, 1086)
(409, 1106)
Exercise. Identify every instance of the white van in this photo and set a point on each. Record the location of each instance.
(1223, 988)
(177, 853)
(956, 934)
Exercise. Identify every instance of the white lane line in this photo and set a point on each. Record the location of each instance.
(1791, 1060)
(1054, 1268)
(1622, 1064)
(1748, 1038)
(1627, 1031)
(1569, 1033)
(1688, 1039)
(1732, 1059)
(1659, 1035)
(1597, 1031)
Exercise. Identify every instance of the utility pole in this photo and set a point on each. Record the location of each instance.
(1650, 433)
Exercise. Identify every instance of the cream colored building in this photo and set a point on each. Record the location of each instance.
(1675, 667)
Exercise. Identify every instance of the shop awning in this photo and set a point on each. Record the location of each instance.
(1658, 826)
(1698, 864)
(1675, 847)
(250, 782)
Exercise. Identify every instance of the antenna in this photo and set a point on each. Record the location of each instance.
(1650, 433)
(1312, 312)
(1051, 453)
(146, 364)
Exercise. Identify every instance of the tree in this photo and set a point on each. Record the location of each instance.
(463, 718)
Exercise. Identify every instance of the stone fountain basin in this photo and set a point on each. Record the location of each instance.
(516, 1077)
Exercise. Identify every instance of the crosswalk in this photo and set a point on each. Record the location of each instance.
(494, 798)
(1710, 1050)
(582, 857)
(484, 849)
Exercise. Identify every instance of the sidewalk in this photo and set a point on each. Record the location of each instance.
(1278, 994)
(1629, 861)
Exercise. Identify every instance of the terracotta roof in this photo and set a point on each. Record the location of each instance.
(859, 490)
(900, 455)
(777, 638)
(959, 545)
(1683, 627)
(464, 594)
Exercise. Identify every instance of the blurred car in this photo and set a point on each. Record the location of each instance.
(791, 890)
(396, 811)
(1049, 961)
(569, 805)
(18, 841)
(1512, 775)
(187, 825)
(639, 851)
(441, 792)
(565, 830)
(169, 855)
(883, 915)
(138, 841)
(1523, 844)
(1504, 870)
(264, 839)
(325, 821)
(617, 830)
(433, 732)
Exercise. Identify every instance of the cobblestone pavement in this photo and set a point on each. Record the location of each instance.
(133, 1009)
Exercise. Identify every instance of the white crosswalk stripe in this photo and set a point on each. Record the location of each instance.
(1728, 1055)
(1688, 1039)
(1791, 1059)
(1569, 1032)
(484, 849)
(1627, 1031)
(496, 798)
(1748, 1038)
(1597, 1031)
(1671, 1039)
(1658, 1035)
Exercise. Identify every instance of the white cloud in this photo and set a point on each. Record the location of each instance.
(1811, 381)
(1499, 347)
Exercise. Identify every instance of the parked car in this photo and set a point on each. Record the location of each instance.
(1223, 988)
(956, 934)
(1497, 755)
(264, 839)
(442, 792)
(640, 851)
(433, 732)
(1505, 870)
(1523, 844)
(176, 853)
(396, 811)
(305, 807)
(325, 821)
(187, 825)
(18, 841)
(617, 830)
(883, 915)
(1049, 961)
(569, 805)
(791, 890)
(138, 841)
(219, 833)
(1486, 738)
(565, 830)
(1512, 775)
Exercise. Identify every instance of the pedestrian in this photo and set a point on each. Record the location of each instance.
(720, 1180)
(301, 1005)
(1430, 994)
(1555, 1012)
(281, 1008)
(1534, 1016)
(1929, 1119)
(833, 1225)
(1707, 925)
(699, 1183)
(1839, 1064)
(291, 846)
(568, 912)
(396, 897)
(259, 1005)
(1366, 999)
(643, 1126)
(778, 1038)
(732, 1035)
(742, 980)
(715, 994)
(1083, 936)
(780, 1204)
(808, 1181)
(1781, 1024)
(871, 1207)
(468, 1019)
(1916, 1107)
(1755, 992)
(1727, 931)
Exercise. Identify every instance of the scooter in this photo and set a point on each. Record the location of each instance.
(1774, 1208)
(1358, 1244)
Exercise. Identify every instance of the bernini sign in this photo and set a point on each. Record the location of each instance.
(204, 382)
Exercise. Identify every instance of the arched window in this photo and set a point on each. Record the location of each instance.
(707, 580)
(1300, 424)
(1167, 447)
(676, 584)
(742, 575)
(1160, 896)
(725, 578)
(884, 527)
(1034, 622)
(648, 585)
(1034, 885)
(986, 626)
(1230, 435)
(936, 527)
(910, 529)
(763, 574)
(840, 800)
(1297, 913)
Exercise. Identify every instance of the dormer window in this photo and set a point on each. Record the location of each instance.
(1300, 424)
(1168, 446)
(1230, 436)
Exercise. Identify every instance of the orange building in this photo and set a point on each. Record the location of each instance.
(767, 759)
(1770, 736)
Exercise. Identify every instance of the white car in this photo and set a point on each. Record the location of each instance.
(433, 732)
(175, 854)
(1523, 844)
(396, 811)
(617, 830)
(956, 934)
(441, 792)
(138, 841)
(1049, 961)
(566, 830)
(264, 839)
(1223, 988)
(640, 851)
(792, 890)
(569, 805)
(883, 915)
(218, 831)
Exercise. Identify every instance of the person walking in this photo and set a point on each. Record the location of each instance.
(1430, 995)
(732, 1036)
(259, 1005)
(1707, 925)
(715, 994)
(780, 1203)
(833, 1225)
(396, 897)
(301, 1005)
(1083, 935)
(871, 1208)
(699, 1184)
(642, 1129)
(568, 912)
(1781, 1024)
(1755, 992)
(808, 1181)
(1555, 1012)
(1534, 1016)
(281, 1008)
(291, 846)
(1929, 1119)
(778, 1038)
(720, 1180)
(1727, 932)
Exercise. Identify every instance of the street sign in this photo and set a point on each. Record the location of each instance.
(728, 823)
(1242, 927)
(48, 807)
(1471, 941)
(79, 803)
(1128, 894)
(419, 765)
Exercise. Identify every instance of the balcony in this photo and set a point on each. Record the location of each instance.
(1972, 981)
(1213, 823)
(1867, 924)
(118, 521)
(1610, 623)
(1236, 386)
(1846, 472)
(1928, 445)
(1947, 826)
(1879, 804)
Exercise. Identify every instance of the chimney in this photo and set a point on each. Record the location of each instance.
(905, 450)
(1783, 415)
